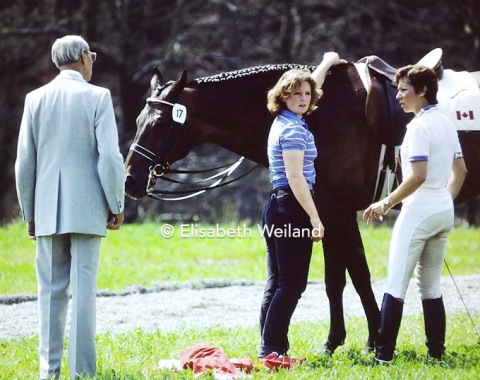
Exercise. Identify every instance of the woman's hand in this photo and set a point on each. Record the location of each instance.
(375, 210)
(318, 230)
(332, 58)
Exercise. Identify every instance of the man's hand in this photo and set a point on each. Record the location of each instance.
(31, 230)
(114, 221)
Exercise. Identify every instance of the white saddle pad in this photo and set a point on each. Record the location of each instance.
(459, 99)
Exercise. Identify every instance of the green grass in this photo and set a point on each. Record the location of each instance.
(135, 355)
(138, 254)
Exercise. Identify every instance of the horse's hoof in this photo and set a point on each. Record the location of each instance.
(380, 362)
(329, 347)
(369, 346)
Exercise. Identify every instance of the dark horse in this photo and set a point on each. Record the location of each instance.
(229, 110)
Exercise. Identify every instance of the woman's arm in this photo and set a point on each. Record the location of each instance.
(293, 160)
(406, 188)
(329, 59)
(459, 172)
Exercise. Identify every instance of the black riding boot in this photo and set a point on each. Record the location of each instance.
(391, 316)
(435, 326)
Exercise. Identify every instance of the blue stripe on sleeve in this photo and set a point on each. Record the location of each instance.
(418, 158)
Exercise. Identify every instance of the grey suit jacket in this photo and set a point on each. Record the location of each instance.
(69, 170)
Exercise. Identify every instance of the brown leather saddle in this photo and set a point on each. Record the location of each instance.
(386, 119)
(383, 112)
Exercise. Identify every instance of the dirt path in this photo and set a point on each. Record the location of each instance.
(221, 305)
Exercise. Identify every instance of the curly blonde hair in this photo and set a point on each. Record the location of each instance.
(286, 85)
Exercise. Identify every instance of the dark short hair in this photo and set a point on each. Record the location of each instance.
(420, 77)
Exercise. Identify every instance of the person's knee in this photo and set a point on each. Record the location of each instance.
(292, 291)
(429, 289)
(430, 294)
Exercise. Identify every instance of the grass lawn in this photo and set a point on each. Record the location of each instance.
(139, 254)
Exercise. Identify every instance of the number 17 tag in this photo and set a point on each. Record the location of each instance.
(179, 113)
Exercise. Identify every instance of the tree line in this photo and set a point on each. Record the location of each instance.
(207, 37)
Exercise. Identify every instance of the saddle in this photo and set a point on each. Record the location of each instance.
(385, 118)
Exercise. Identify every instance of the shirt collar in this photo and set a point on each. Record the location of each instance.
(293, 117)
(70, 74)
(426, 108)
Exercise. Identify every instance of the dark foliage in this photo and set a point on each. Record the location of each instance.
(207, 37)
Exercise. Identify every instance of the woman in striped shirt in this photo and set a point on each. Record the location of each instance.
(290, 219)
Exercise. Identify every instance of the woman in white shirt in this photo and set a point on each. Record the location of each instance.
(433, 173)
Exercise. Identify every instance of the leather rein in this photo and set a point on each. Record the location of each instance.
(160, 166)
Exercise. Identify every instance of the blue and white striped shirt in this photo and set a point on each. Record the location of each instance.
(289, 132)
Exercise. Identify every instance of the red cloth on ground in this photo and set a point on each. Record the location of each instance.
(203, 357)
(274, 362)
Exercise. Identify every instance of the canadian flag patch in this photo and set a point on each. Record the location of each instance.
(465, 115)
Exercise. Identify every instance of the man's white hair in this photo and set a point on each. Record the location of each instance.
(68, 49)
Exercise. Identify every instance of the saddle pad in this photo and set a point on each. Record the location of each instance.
(362, 70)
(459, 99)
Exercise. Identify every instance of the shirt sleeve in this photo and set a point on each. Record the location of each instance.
(458, 150)
(420, 145)
(293, 138)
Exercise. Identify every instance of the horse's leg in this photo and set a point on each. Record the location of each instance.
(343, 249)
(334, 285)
(335, 276)
(359, 272)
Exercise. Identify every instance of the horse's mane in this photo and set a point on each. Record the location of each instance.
(250, 71)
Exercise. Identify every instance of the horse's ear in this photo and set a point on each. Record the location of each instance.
(157, 80)
(179, 84)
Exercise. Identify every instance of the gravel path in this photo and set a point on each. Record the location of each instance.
(219, 304)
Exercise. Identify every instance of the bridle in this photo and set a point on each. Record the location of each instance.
(160, 166)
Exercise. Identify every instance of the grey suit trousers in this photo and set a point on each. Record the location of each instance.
(63, 260)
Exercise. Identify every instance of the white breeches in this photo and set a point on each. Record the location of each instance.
(418, 244)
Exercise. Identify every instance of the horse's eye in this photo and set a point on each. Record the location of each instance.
(161, 117)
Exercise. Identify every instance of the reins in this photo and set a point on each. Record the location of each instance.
(160, 167)
(189, 193)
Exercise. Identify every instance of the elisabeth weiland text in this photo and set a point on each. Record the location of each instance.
(195, 231)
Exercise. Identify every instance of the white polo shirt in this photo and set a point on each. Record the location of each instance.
(430, 137)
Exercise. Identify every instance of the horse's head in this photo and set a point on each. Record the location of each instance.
(157, 128)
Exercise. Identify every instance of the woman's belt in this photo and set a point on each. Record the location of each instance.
(282, 191)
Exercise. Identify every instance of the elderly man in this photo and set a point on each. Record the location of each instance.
(70, 185)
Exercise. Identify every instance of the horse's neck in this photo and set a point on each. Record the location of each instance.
(232, 120)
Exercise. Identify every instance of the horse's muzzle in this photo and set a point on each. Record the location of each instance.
(133, 189)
